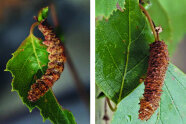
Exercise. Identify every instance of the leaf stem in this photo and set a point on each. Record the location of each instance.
(157, 33)
(33, 26)
(110, 105)
(156, 36)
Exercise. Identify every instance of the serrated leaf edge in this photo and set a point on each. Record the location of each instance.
(36, 106)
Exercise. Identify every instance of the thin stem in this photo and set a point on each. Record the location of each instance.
(80, 87)
(150, 21)
(110, 105)
(157, 33)
(33, 26)
(54, 15)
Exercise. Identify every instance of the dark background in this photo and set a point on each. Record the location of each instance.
(16, 17)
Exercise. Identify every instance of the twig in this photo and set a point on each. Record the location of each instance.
(54, 16)
(110, 105)
(80, 87)
(150, 21)
(33, 26)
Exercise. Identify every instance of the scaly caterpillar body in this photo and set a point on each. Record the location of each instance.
(157, 66)
(55, 66)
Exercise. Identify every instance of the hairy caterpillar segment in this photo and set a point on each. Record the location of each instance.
(55, 66)
(157, 66)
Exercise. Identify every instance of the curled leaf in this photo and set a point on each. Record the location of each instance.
(29, 62)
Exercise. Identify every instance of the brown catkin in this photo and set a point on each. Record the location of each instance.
(55, 66)
(157, 66)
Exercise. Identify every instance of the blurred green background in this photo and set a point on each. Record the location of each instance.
(16, 17)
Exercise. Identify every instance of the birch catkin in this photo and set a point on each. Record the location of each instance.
(55, 66)
(157, 66)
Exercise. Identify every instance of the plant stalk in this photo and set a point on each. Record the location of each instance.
(33, 26)
(156, 36)
(110, 105)
(78, 83)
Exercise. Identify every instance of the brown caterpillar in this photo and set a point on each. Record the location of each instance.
(55, 66)
(157, 66)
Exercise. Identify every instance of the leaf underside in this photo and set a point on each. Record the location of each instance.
(29, 63)
(172, 108)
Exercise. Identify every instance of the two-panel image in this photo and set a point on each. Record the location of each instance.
(92, 62)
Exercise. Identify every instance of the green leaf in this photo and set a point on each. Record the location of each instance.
(172, 108)
(43, 13)
(122, 49)
(172, 18)
(105, 7)
(28, 63)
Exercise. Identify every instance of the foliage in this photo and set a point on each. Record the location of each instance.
(105, 8)
(122, 50)
(172, 108)
(29, 62)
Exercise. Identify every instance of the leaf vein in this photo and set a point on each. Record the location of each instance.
(35, 53)
(140, 33)
(127, 57)
(177, 80)
(21, 69)
(119, 33)
(137, 64)
(176, 108)
(113, 59)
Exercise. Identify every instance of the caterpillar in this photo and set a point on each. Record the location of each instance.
(157, 66)
(55, 66)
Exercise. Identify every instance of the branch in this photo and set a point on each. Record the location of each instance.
(151, 22)
(78, 83)
(110, 105)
